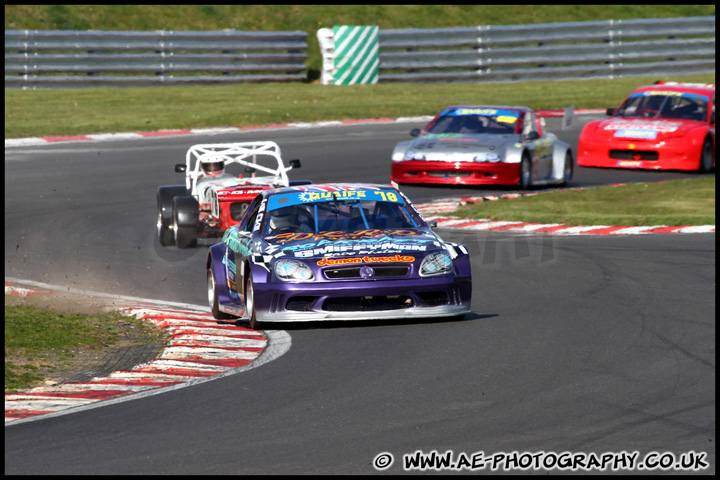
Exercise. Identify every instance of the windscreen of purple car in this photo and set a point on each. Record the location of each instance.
(316, 211)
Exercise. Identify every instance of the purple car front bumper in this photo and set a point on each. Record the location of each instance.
(363, 300)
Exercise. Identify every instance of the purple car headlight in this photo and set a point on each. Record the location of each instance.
(292, 270)
(438, 263)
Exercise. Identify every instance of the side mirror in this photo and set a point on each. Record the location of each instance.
(609, 112)
(532, 136)
(433, 224)
(295, 163)
(249, 170)
(414, 132)
(180, 168)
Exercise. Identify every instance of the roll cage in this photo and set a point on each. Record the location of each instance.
(245, 153)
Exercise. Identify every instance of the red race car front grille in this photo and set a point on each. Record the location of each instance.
(449, 173)
(633, 154)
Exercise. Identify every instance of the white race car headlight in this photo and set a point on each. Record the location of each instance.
(487, 157)
(438, 263)
(413, 155)
(292, 270)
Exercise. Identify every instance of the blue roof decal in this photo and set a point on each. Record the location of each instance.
(311, 195)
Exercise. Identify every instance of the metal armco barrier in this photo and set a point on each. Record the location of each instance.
(551, 51)
(492, 53)
(38, 59)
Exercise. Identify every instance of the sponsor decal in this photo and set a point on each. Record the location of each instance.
(670, 93)
(238, 191)
(366, 259)
(544, 148)
(662, 93)
(297, 198)
(508, 116)
(261, 212)
(338, 235)
(629, 163)
(313, 196)
(636, 133)
(357, 248)
(236, 243)
(230, 273)
(442, 136)
(662, 127)
(335, 244)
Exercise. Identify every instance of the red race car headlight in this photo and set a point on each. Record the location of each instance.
(487, 157)
(413, 155)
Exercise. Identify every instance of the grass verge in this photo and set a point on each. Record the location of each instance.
(41, 344)
(671, 203)
(48, 112)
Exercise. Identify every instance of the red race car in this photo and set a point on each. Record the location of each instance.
(665, 126)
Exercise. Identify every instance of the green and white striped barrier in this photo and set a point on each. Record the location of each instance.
(350, 55)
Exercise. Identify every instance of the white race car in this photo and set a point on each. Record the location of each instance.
(216, 195)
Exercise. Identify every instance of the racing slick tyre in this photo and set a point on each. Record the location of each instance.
(186, 213)
(568, 168)
(706, 156)
(525, 181)
(250, 310)
(213, 295)
(165, 197)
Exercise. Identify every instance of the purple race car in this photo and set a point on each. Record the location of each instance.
(336, 252)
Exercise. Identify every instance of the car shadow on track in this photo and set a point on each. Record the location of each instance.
(328, 324)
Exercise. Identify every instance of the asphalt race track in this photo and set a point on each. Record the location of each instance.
(580, 344)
